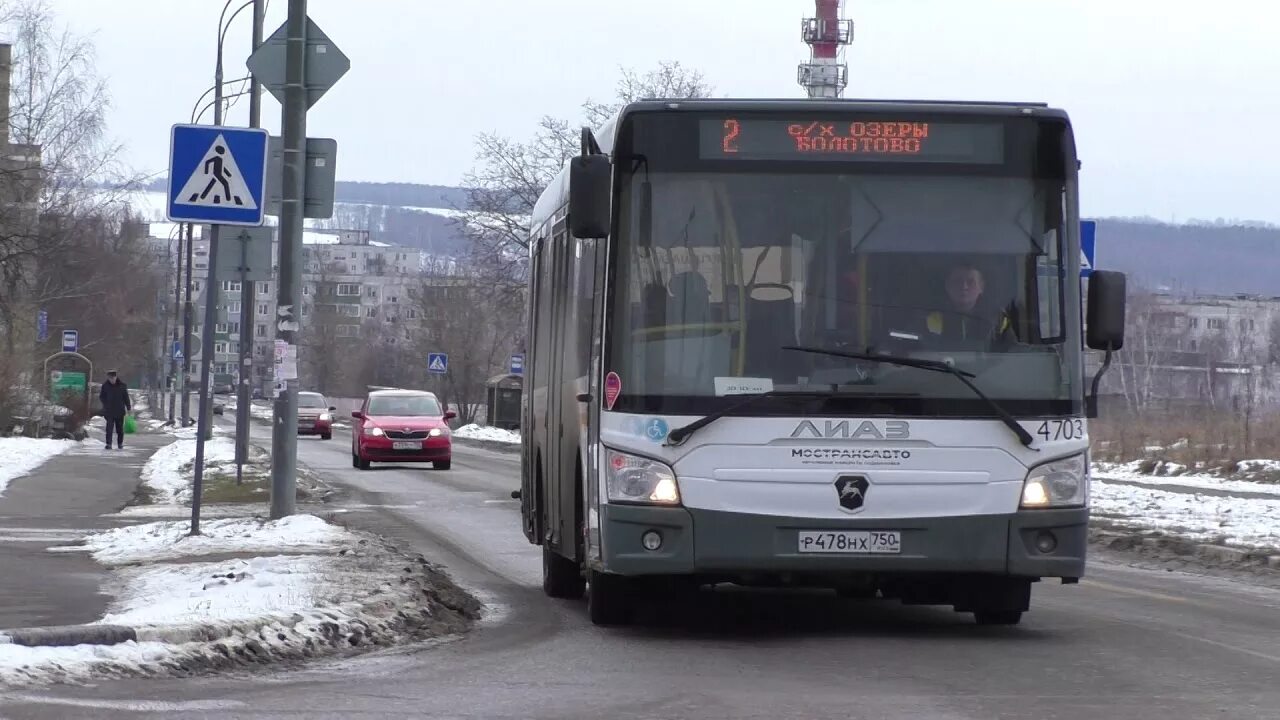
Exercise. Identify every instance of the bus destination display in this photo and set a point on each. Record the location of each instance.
(851, 140)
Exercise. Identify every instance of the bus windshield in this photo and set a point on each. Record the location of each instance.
(716, 271)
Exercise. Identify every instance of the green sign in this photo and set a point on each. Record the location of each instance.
(63, 381)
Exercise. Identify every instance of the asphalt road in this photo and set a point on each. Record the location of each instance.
(1125, 643)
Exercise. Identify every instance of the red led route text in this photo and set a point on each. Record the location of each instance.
(875, 137)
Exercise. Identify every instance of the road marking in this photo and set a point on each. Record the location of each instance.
(135, 705)
(1143, 593)
(1185, 601)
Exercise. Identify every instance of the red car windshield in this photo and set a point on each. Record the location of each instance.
(405, 406)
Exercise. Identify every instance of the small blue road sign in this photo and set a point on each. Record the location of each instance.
(517, 364)
(177, 349)
(437, 363)
(217, 174)
(1088, 247)
(70, 341)
(42, 326)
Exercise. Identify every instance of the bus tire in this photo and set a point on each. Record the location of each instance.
(561, 577)
(998, 617)
(609, 599)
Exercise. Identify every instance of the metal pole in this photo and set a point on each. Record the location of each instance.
(248, 297)
(246, 359)
(293, 127)
(204, 427)
(255, 87)
(174, 362)
(188, 317)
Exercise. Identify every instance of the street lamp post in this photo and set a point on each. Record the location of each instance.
(204, 430)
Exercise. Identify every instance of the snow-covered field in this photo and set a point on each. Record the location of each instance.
(1132, 472)
(1245, 522)
(491, 434)
(20, 456)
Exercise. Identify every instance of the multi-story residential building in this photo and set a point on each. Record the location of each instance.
(1222, 351)
(344, 273)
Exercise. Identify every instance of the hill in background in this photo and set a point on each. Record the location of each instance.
(1213, 258)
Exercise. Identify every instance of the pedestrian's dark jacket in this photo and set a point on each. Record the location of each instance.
(115, 399)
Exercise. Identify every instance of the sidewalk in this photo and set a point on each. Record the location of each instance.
(57, 505)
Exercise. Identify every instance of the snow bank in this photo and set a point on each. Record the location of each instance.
(168, 540)
(233, 590)
(164, 474)
(43, 664)
(20, 456)
(491, 434)
(1247, 522)
(241, 612)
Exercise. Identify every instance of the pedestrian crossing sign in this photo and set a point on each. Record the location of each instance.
(437, 363)
(217, 174)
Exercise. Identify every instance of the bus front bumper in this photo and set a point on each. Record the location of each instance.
(709, 542)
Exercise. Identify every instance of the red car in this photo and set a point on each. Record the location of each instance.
(401, 426)
(315, 415)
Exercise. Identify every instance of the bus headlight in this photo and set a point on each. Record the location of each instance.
(640, 480)
(1061, 483)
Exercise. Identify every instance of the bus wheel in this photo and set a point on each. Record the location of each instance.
(609, 599)
(561, 577)
(998, 617)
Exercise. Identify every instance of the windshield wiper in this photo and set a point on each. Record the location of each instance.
(935, 366)
(679, 435)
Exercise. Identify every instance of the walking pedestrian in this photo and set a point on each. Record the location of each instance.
(115, 404)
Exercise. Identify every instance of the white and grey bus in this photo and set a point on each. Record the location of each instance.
(811, 343)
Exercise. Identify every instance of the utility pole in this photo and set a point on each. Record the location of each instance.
(188, 317)
(174, 362)
(248, 298)
(293, 129)
(204, 426)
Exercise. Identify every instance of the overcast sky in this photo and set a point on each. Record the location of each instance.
(1176, 103)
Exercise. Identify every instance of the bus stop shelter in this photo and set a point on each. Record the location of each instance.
(502, 394)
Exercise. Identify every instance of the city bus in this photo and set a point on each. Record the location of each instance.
(828, 344)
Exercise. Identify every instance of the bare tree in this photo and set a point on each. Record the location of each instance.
(1153, 338)
(327, 340)
(55, 161)
(458, 315)
(668, 80)
(510, 175)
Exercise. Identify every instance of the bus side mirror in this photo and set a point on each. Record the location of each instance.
(1106, 325)
(1106, 316)
(589, 195)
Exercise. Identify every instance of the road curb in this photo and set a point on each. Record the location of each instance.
(65, 635)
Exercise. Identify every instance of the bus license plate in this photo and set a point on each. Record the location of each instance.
(875, 542)
(407, 445)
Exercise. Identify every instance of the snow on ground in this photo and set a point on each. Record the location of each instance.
(171, 539)
(492, 434)
(240, 589)
(1247, 522)
(20, 456)
(1131, 472)
(164, 474)
(41, 664)
(314, 588)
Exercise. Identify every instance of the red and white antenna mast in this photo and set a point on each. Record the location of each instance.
(827, 35)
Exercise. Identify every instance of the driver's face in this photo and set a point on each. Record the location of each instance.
(964, 287)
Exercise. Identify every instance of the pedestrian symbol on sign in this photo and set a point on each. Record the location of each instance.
(437, 363)
(216, 181)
